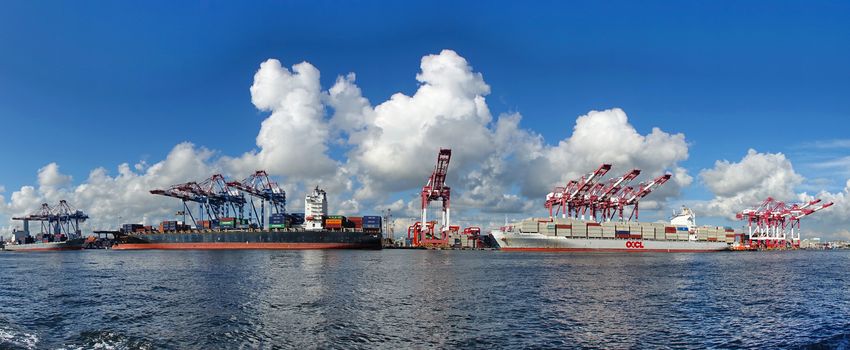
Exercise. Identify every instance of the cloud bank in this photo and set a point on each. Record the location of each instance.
(757, 176)
(372, 156)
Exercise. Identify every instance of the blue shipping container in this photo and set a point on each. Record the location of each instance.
(680, 228)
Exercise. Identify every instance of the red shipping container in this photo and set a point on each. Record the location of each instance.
(356, 221)
(669, 229)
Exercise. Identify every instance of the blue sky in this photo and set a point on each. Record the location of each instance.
(105, 82)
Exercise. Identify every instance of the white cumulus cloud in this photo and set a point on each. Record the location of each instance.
(745, 184)
(753, 179)
(387, 150)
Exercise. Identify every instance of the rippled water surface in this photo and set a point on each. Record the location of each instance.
(423, 299)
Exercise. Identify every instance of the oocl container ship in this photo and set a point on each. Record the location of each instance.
(555, 234)
(315, 229)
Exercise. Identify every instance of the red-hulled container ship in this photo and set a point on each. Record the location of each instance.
(313, 229)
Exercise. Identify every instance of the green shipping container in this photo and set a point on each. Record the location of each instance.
(277, 226)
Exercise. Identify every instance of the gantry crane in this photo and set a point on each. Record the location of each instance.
(588, 197)
(214, 196)
(631, 196)
(260, 186)
(425, 232)
(60, 219)
(775, 224)
(567, 199)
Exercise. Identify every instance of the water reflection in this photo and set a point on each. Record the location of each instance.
(422, 299)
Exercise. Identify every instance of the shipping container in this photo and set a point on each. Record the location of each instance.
(529, 226)
(579, 232)
(297, 218)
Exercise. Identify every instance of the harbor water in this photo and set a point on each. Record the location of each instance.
(423, 299)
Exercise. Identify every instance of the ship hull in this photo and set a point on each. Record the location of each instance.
(73, 244)
(242, 240)
(542, 243)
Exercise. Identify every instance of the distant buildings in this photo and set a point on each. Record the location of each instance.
(816, 243)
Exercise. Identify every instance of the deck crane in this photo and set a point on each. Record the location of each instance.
(567, 199)
(424, 232)
(60, 219)
(775, 224)
(259, 185)
(631, 196)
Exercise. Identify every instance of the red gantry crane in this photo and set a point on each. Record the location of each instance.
(566, 200)
(631, 196)
(775, 224)
(589, 197)
(425, 233)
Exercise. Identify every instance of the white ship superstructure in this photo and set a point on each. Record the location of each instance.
(315, 209)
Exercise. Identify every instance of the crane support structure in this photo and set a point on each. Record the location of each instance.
(424, 232)
(588, 198)
(218, 198)
(60, 219)
(775, 224)
(260, 186)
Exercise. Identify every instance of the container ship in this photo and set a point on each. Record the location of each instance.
(313, 229)
(59, 229)
(23, 242)
(557, 234)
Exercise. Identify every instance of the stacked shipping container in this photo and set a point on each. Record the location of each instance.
(277, 221)
(623, 230)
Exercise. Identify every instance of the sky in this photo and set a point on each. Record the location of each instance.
(739, 101)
